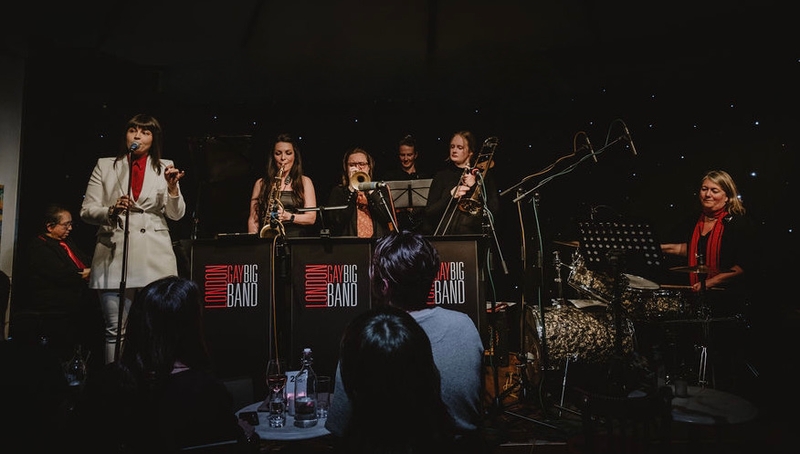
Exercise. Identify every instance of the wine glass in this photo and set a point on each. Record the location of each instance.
(276, 383)
(276, 375)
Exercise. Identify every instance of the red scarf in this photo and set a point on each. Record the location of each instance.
(711, 254)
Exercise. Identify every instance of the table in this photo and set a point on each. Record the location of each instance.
(288, 431)
(711, 407)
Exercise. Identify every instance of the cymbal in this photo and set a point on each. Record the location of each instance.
(574, 243)
(697, 269)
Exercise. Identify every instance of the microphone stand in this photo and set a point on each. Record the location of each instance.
(124, 273)
(389, 210)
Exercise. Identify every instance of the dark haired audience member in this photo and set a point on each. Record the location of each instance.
(391, 380)
(403, 268)
(160, 396)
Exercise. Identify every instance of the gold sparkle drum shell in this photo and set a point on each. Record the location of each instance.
(573, 334)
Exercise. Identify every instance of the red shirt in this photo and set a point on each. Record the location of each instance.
(137, 175)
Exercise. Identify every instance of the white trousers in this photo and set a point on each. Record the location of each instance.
(109, 299)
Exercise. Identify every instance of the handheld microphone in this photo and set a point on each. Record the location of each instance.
(370, 186)
(134, 147)
(630, 140)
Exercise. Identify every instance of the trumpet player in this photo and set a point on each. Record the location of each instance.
(452, 184)
(366, 212)
(284, 188)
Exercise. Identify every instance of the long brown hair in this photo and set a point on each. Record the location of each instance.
(295, 175)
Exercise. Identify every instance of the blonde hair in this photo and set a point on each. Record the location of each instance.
(734, 204)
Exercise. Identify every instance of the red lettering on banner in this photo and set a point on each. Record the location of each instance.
(444, 270)
(215, 285)
(316, 283)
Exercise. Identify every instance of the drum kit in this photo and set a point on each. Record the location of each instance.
(574, 333)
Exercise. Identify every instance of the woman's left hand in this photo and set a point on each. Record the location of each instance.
(172, 176)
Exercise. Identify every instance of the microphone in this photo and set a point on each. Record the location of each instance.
(134, 147)
(474, 170)
(630, 139)
(371, 186)
(591, 149)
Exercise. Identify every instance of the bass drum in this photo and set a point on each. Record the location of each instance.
(573, 334)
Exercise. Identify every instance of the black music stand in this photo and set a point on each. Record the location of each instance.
(410, 193)
(324, 232)
(614, 247)
(637, 240)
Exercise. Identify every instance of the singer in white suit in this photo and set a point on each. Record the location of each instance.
(146, 201)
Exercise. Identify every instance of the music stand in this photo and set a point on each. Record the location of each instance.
(637, 240)
(612, 246)
(410, 193)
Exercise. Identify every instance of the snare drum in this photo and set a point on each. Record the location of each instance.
(574, 334)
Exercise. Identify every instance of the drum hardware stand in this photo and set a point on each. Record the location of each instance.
(534, 196)
(559, 301)
(704, 313)
(523, 360)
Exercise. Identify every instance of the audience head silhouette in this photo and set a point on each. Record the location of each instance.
(402, 270)
(389, 374)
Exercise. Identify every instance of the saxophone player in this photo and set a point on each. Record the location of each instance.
(456, 183)
(284, 188)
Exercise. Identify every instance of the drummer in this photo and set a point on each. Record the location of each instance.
(718, 247)
(718, 242)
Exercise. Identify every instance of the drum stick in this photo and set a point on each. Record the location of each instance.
(685, 287)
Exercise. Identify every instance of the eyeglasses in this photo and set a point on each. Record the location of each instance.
(65, 224)
(360, 165)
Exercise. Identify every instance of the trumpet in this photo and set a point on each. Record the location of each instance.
(359, 177)
(272, 223)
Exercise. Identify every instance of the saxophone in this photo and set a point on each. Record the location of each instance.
(272, 223)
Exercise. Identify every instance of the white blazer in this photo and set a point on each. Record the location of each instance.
(150, 253)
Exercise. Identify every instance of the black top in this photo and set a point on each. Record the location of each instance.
(737, 247)
(442, 210)
(55, 302)
(51, 280)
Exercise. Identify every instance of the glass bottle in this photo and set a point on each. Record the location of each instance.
(76, 368)
(305, 393)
